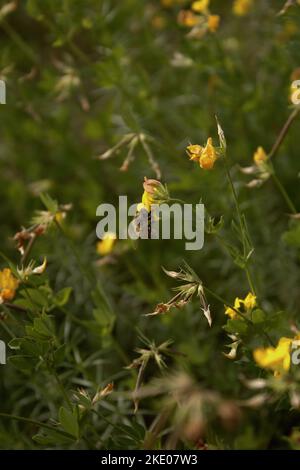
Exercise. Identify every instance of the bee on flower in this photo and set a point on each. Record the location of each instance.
(8, 285)
(206, 156)
(154, 193)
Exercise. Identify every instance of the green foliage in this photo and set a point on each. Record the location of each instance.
(101, 94)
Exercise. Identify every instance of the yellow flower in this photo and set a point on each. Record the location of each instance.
(188, 18)
(242, 7)
(260, 156)
(232, 313)
(277, 359)
(249, 301)
(105, 246)
(147, 200)
(194, 151)
(213, 23)
(206, 156)
(200, 6)
(8, 285)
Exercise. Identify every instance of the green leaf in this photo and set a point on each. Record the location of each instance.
(50, 204)
(69, 422)
(292, 236)
(238, 326)
(62, 297)
(258, 316)
(22, 362)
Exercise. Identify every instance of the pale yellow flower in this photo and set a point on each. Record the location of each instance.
(213, 23)
(106, 245)
(8, 285)
(242, 7)
(260, 156)
(200, 6)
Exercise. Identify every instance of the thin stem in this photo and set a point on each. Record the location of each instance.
(284, 131)
(284, 194)
(19, 41)
(6, 328)
(36, 423)
(28, 249)
(242, 228)
(64, 393)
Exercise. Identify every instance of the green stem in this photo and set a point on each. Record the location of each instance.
(284, 194)
(36, 423)
(19, 41)
(242, 228)
(63, 391)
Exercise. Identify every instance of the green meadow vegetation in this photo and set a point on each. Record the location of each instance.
(142, 344)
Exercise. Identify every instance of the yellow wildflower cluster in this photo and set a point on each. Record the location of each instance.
(277, 359)
(205, 156)
(8, 285)
(199, 17)
(248, 303)
(242, 7)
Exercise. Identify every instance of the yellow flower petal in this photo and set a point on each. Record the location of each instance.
(242, 7)
(277, 359)
(200, 6)
(260, 156)
(213, 23)
(8, 285)
(249, 301)
(105, 246)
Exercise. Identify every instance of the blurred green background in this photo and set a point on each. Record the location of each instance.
(80, 75)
